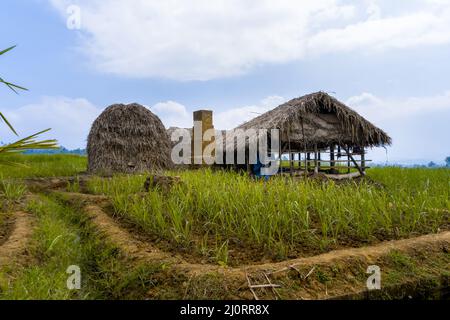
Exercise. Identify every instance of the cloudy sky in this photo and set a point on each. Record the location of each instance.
(389, 60)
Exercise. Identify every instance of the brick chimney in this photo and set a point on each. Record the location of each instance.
(203, 121)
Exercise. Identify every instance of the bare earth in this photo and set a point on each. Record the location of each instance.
(14, 248)
(240, 281)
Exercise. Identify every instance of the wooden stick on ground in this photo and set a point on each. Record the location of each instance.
(274, 290)
(309, 273)
(251, 287)
(267, 285)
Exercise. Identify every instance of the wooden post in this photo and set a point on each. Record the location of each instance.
(363, 160)
(354, 162)
(332, 163)
(308, 158)
(291, 164)
(291, 169)
(279, 153)
(300, 161)
(304, 147)
(348, 162)
(316, 167)
(247, 161)
(319, 157)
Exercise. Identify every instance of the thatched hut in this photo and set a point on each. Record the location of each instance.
(318, 129)
(128, 138)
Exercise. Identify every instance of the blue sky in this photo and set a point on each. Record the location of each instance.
(390, 62)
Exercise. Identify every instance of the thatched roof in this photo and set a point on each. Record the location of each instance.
(317, 118)
(128, 138)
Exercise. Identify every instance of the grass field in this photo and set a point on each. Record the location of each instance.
(221, 214)
(42, 166)
(210, 217)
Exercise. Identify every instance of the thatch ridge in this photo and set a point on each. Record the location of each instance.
(354, 129)
(128, 138)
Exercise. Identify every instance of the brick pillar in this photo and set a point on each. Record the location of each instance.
(203, 121)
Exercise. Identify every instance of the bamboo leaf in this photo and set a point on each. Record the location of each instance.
(26, 144)
(12, 86)
(8, 124)
(6, 50)
(9, 84)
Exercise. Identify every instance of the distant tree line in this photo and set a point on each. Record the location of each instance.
(430, 164)
(60, 150)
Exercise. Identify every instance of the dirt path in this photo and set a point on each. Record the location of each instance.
(136, 249)
(236, 278)
(6, 226)
(14, 248)
(369, 254)
(144, 250)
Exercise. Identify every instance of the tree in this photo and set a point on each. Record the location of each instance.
(447, 161)
(431, 164)
(27, 142)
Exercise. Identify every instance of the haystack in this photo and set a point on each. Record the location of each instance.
(128, 138)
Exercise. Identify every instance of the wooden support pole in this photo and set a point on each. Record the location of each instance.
(363, 160)
(332, 163)
(247, 161)
(316, 167)
(319, 157)
(354, 162)
(299, 155)
(348, 165)
(279, 153)
(304, 147)
(308, 158)
(291, 161)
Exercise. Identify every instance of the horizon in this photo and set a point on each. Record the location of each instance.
(389, 62)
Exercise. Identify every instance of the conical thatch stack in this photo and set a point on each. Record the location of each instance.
(128, 138)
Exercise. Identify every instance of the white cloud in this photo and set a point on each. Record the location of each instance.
(419, 126)
(232, 118)
(378, 109)
(422, 28)
(69, 119)
(173, 114)
(373, 10)
(201, 40)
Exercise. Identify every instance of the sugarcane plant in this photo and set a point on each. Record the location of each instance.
(27, 142)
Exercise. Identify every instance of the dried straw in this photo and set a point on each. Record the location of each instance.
(128, 138)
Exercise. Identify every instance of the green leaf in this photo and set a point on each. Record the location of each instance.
(8, 124)
(28, 143)
(6, 50)
(12, 86)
